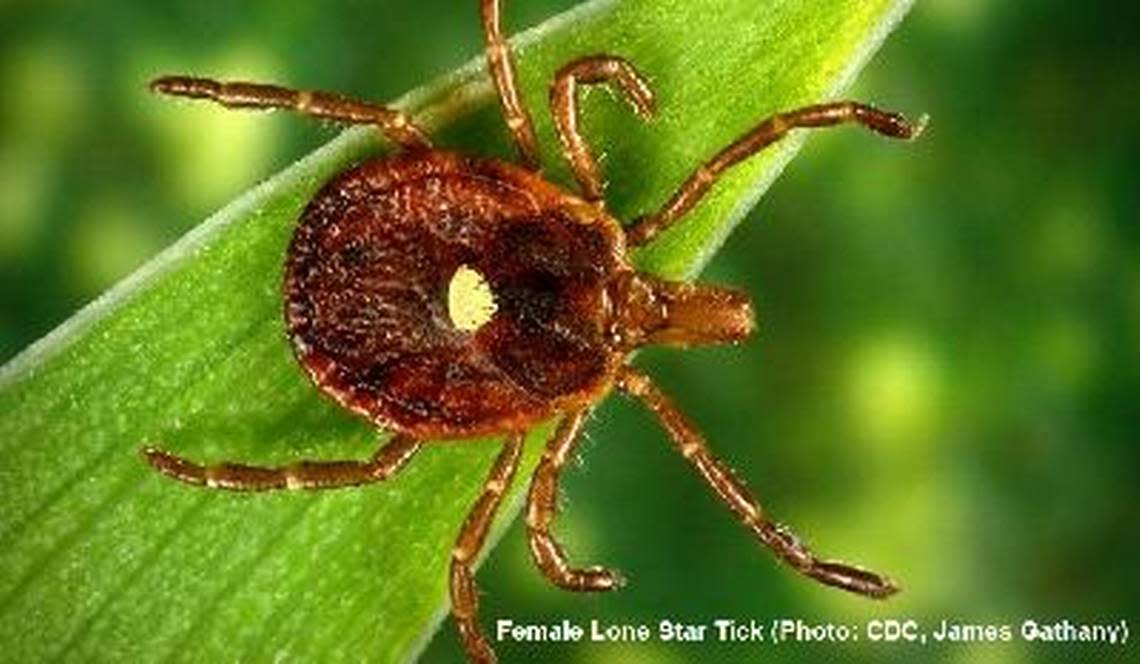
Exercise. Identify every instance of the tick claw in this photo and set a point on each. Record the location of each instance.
(919, 126)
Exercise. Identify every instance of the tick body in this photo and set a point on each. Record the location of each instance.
(448, 296)
(389, 253)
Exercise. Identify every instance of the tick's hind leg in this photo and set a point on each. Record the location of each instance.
(775, 536)
(394, 124)
(502, 70)
(542, 507)
(464, 597)
(772, 129)
(304, 475)
(564, 104)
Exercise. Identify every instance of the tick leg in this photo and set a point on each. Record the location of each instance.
(542, 507)
(564, 102)
(732, 491)
(464, 600)
(304, 475)
(393, 124)
(772, 129)
(502, 70)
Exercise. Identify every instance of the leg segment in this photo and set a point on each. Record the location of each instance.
(893, 125)
(395, 125)
(542, 507)
(304, 475)
(464, 600)
(502, 71)
(775, 536)
(564, 102)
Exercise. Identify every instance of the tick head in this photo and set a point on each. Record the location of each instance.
(658, 312)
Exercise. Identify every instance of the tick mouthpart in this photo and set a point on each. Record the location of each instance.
(683, 314)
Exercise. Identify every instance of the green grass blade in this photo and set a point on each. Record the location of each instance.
(104, 560)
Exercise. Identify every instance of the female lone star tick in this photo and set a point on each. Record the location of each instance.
(440, 295)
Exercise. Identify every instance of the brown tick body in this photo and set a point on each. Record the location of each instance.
(370, 266)
(440, 295)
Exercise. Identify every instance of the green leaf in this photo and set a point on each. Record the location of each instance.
(105, 560)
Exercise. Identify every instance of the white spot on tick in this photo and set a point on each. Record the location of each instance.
(470, 302)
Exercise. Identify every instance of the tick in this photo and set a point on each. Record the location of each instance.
(448, 296)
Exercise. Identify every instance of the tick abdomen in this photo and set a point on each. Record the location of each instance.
(382, 259)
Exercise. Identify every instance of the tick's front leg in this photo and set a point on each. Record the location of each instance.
(728, 488)
(772, 129)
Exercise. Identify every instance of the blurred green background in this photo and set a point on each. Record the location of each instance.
(949, 348)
